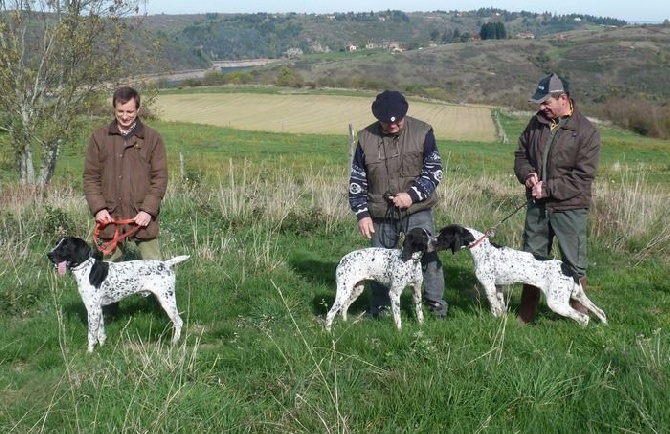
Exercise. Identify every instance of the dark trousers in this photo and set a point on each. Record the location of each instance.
(387, 234)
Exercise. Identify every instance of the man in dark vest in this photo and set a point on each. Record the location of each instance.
(394, 174)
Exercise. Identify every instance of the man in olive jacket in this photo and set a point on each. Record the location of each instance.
(125, 175)
(394, 174)
(556, 160)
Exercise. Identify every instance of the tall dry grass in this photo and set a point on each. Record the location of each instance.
(629, 214)
(632, 215)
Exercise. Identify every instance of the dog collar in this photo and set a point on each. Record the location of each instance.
(80, 265)
(480, 239)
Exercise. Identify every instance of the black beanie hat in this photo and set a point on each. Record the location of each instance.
(390, 106)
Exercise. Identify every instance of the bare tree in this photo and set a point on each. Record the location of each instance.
(56, 57)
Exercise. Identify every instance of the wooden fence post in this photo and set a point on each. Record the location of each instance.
(352, 143)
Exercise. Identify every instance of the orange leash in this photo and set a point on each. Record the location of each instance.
(108, 247)
(480, 239)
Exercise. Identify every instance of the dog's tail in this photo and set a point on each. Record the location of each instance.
(176, 260)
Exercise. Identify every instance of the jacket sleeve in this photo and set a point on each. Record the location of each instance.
(523, 165)
(92, 177)
(431, 172)
(158, 179)
(358, 185)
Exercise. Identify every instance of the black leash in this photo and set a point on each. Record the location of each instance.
(491, 231)
(392, 214)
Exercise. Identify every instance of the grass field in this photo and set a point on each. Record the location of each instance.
(264, 217)
(317, 114)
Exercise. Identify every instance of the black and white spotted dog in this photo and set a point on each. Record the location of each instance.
(497, 265)
(394, 268)
(101, 283)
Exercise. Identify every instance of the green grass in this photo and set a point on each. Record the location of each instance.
(264, 217)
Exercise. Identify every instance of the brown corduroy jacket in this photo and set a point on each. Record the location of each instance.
(126, 175)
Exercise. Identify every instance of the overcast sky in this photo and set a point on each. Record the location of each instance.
(628, 10)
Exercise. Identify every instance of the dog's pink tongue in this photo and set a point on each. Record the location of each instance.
(62, 268)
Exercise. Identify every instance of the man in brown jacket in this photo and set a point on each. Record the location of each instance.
(125, 176)
(556, 161)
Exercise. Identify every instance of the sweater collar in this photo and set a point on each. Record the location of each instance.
(136, 130)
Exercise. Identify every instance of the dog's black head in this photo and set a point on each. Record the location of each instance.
(416, 240)
(452, 237)
(69, 252)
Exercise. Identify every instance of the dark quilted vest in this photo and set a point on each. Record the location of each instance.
(393, 163)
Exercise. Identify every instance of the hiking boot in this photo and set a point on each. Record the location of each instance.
(379, 312)
(438, 308)
(111, 311)
(530, 297)
(577, 305)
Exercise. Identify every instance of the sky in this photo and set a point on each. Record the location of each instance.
(627, 10)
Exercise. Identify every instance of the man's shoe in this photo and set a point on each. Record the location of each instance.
(438, 308)
(379, 312)
(111, 311)
(530, 297)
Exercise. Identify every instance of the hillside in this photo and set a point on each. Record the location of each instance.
(599, 64)
(242, 36)
(439, 55)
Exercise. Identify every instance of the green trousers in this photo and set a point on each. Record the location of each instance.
(568, 227)
(146, 249)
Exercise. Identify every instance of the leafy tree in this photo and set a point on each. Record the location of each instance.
(289, 77)
(447, 36)
(493, 30)
(57, 58)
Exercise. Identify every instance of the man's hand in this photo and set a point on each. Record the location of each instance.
(531, 180)
(402, 200)
(537, 190)
(365, 227)
(102, 217)
(142, 219)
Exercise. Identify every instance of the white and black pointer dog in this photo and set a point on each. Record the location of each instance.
(394, 268)
(497, 265)
(101, 283)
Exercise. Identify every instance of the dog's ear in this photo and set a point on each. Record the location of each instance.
(407, 248)
(416, 240)
(81, 251)
(448, 238)
(454, 238)
(465, 238)
(457, 242)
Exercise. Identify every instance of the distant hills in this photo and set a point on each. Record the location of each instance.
(213, 37)
(439, 54)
